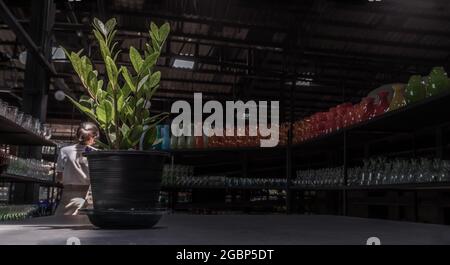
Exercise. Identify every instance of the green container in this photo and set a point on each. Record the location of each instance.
(415, 89)
(437, 82)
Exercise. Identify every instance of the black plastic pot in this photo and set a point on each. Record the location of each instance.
(125, 180)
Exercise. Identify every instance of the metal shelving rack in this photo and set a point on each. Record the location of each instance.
(13, 134)
(431, 113)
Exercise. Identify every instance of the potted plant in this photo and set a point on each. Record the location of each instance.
(125, 180)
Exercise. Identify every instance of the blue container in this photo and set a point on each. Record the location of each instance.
(165, 133)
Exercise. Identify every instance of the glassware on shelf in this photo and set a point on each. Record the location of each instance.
(19, 118)
(47, 131)
(398, 99)
(382, 104)
(3, 107)
(29, 168)
(437, 81)
(36, 126)
(183, 177)
(367, 109)
(4, 192)
(27, 122)
(17, 212)
(320, 177)
(415, 89)
(383, 171)
(11, 113)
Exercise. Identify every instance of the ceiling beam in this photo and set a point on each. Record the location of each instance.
(24, 38)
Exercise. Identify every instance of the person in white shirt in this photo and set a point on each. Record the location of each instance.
(73, 171)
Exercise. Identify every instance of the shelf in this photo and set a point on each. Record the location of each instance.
(16, 178)
(409, 186)
(13, 134)
(228, 205)
(174, 188)
(215, 150)
(430, 112)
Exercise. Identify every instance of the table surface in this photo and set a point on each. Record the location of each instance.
(183, 229)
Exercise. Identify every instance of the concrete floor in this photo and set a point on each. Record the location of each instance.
(227, 230)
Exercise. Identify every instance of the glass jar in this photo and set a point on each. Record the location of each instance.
(437, 82)
(398, 99)
(383, 103)
(415, 89)
(3, 107)
(11, 113)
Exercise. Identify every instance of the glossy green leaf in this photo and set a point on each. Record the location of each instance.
(154, 79)
(142, 82)
(135, 134)
(154, 30)
(136, 59)
(111, 69)
(110, 25)
(164, 32)
(149, 62)
(105, 112)
(100, 26)
(128, 79)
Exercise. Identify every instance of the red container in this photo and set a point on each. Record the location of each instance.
(383, 103)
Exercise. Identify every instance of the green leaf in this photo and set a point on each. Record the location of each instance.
(164, 32)
(110, 24)
(92, 84)
(109, 90)
(126, 114)
(124, 130)
(156, 121)
(83, 109)
(142, 82)
(100, 26)
(103, 46)
(99, 86)
(157, 117)
(87, 102)
(150, 93)
(126, 90)
(105, 112)
(145, 114)
(155, 45)
(150, 49)
(154, 30)
(149, 138)
(136, 59)
(140, 103)
(149, 62)
(154, 79)
(135, 134)
(111, 69)
(101, 94)
(111, 37)
(128, 80)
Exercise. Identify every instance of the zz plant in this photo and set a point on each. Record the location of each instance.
(118, 103)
